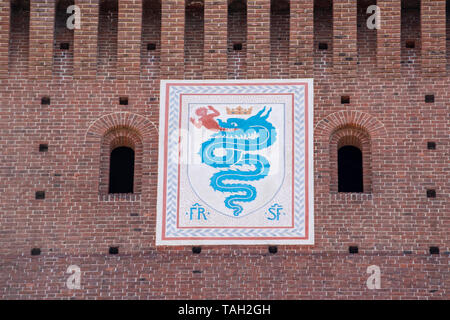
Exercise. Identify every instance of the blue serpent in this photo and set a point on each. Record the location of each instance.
(239, 141)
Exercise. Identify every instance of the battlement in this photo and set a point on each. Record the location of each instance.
(147, 39)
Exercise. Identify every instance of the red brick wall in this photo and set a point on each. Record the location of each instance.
(107, 39)
(18, 39)
(258, 39)
(279, 40)
(393, 226)
(193, 37)
(62, 59)
(151, 33)
(237, 33)
(215, 51)
(5, 13)
(411, 24)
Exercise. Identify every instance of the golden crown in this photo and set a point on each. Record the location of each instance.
(239, 110)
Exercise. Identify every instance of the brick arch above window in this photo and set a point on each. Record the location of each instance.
(355, 119)
(121, 129)
(343, 128)
(100, 127)
(350, 136)
(122, 137)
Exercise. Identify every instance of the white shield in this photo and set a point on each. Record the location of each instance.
(236, 155)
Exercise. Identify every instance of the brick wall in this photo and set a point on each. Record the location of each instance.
(279, 40)
(63, 58)
(151, 34)
(393, 226)
(193, 45)
(237, 34)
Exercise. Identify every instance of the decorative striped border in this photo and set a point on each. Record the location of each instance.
(302, 233)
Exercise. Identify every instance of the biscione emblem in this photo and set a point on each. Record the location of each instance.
(235, 162)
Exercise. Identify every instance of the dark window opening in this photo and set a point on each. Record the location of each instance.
(121, 170)
(350, 169)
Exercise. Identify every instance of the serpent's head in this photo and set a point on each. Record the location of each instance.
(254, 122)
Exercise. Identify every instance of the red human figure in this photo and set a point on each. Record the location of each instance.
(207, 120)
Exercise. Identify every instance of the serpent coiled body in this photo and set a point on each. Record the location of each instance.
(234, 151)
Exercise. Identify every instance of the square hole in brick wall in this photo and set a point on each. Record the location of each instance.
(273, 249)
(113, 250)
(345, 99)
(40, 195)
(429, 98)
(353, 249)
(123, 101)
(237, 46)
(410, 44)
(43, 147)
(151, 46)
(45, 100)
(196, 250)
(434, 250)
(35, 251)
(323, 46)
(64, 46)
(431, 193)
(431, 145)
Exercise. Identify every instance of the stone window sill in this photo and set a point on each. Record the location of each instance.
(351, 196)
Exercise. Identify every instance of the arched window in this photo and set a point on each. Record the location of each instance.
(350, 160)
(121, 170)
(121, 162)
(350, 169)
